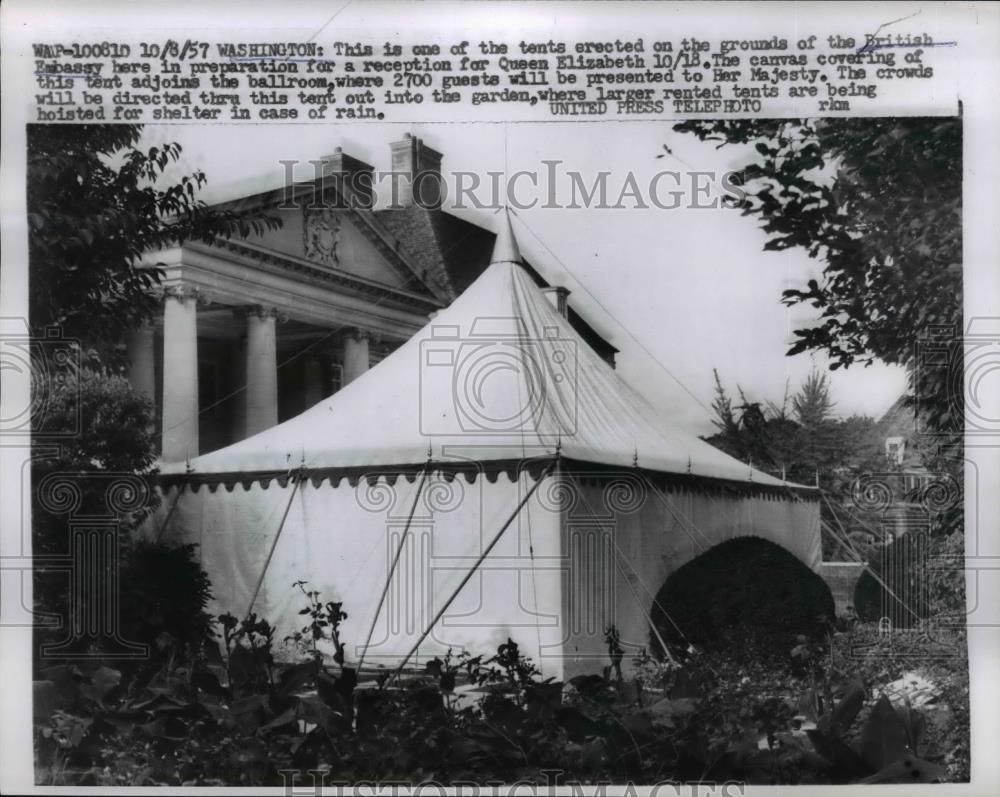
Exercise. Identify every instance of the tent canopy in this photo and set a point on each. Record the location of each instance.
(498, 375)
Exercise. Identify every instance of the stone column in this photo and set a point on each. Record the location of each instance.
(180, 370)
(142, 366)
(355, 360)
(314, 389)
(262, 370)
(237, 376)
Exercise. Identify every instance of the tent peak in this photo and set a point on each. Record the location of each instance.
(505, 249)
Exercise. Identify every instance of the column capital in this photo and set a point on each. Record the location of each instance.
(260, 311)
(182, 292)
(358, 334)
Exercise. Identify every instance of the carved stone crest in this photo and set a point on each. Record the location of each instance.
(321, 231)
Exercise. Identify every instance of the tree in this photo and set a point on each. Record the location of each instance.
(805, 443)
(95, 205)
(878, 201)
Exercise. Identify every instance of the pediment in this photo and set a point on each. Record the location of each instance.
(348, 240)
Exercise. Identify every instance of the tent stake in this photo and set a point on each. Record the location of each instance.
(472, 570)
(267, 562)
(392, 567)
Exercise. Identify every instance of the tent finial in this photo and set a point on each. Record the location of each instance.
(635, 457)
(187, 465)
(505, 248)
(558, 445)
(783, 476)
(430, 453)
(689, 463)
(750, 466)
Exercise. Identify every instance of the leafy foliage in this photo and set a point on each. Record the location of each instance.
(96, 203)
(237, 717)
(803, 441)
(163, 597)
(879, 203)
(324, 622)
(103, 434)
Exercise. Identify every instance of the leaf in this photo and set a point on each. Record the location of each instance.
(45, 700)
(547, 696)
(914, 722)
(296, 677)
(166, 727)
(577, 725)
(209, 684)
(685, 686)
(286, 717)
(590, 686)
(243, 665)
(313, 710)
(847, 707)
(102, 681)
(666, 711)
(247, 704)
(66, 680)
(434, 667)
(846, 764)
(884, 738)
(909, 770)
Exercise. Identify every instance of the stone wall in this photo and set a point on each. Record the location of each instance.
(841, 578)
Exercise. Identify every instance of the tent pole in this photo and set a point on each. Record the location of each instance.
(170, 512)
(473, 569)
(392, 567)
(267, 563)
(647, 615)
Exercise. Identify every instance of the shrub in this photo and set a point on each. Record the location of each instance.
(746, 583)
(98, 467)
(163, 597)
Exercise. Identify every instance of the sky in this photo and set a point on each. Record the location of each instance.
(679, 291)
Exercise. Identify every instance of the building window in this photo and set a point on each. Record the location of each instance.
(895, 450)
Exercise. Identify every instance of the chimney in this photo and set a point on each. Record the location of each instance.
(352, 178)
(557, 296)
(416, 174)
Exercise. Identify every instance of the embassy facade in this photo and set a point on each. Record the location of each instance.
(256, 330)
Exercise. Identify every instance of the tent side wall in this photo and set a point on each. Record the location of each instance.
(341, 539)
(626, 533)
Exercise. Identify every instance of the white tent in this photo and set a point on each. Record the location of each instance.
(491, 478)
